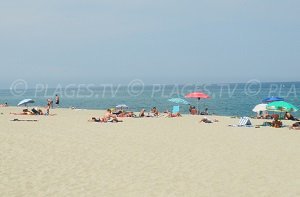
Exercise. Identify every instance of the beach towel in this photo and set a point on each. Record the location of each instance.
(18, 120)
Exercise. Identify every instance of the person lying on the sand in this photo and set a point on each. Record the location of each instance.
(170, 115)
(206, 120)
(104, 120)
(25, 112)
(37, 111)
(295, 126)
(126, 114)
(96, 119)
(33, 112)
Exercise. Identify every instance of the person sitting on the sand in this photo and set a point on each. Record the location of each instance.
(265, 115)
(259, 115)
(288, 116)
(206, 120)
(205, 112)
(155, 111)
(4, 105)
(190, 108)
(108, 116)
(25, 112)
(295, 126)
(276, 122)
(142, 113)
(194, 110)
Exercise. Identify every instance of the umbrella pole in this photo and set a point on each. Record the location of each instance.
(198, 106)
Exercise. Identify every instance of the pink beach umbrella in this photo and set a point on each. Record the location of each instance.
(197, 95)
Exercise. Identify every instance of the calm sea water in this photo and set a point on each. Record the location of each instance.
(226, 99)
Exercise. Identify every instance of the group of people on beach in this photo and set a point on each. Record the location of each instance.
(194, 111)
(265, 115)
(50, 104)
(112, 115)
(277, 121)
(34, 111)
(38, 111)
(50, 101)
(108, 117)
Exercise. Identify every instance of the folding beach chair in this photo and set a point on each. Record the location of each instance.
(244, 122)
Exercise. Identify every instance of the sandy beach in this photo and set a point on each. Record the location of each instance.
(65, 155)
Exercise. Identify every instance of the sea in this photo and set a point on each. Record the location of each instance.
(229, 99)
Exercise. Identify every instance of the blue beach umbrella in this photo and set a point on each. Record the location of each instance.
(272, 99)
(179, 101)
(25, 102)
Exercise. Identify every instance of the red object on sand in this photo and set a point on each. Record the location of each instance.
(198, 95)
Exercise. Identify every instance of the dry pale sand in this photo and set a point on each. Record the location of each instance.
(65, 155)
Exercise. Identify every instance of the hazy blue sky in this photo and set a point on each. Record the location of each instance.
(158, 41)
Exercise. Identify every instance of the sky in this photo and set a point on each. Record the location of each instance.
(156, 41)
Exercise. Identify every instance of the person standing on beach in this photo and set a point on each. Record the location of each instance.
(49, 103)
(57, 100)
